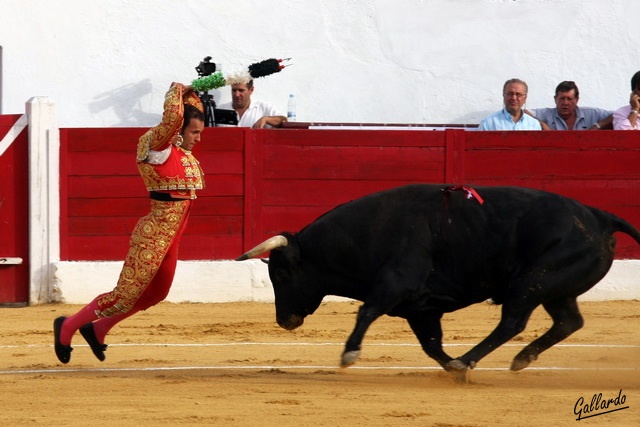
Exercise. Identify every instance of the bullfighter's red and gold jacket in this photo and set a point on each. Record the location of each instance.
(180, 174)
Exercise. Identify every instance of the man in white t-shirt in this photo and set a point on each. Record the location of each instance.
(253, 114)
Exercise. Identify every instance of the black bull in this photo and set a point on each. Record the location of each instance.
(420, 251)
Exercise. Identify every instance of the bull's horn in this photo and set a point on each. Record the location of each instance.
(266, 246)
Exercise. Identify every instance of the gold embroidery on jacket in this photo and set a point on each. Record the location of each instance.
(184, 176)
(149, 243)
(159, 137)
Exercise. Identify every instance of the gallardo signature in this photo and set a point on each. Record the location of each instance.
(598, 406)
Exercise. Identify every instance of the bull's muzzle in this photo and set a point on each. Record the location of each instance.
(291, 322)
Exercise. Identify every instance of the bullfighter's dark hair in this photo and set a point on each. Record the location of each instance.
(190, 112)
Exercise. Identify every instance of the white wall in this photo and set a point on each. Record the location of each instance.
(226, 281)
(109, 63)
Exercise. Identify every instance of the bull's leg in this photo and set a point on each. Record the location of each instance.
(513, 321)
(366, 316)
(396, 281)
(566, 320)
(428, 330)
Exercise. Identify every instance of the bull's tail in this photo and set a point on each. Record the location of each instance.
(619, 224)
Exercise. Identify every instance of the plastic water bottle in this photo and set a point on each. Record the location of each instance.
(291, 108)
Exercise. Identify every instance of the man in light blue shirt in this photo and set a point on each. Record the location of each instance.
(512, 116)
(567, 114)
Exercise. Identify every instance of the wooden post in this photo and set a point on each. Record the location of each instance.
(44, 199)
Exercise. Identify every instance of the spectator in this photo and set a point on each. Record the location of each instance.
(567, 114)
(512, 116)
(251, 113)
(626, 118)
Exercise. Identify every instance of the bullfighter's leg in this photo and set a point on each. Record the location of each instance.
(428, 330)
(566, 320)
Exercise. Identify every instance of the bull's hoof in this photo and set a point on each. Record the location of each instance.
(458, 370)
(349, 358)
(519, 363)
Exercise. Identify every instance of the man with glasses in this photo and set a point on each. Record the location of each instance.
(626, 118)
(512, 116)
(567, 115)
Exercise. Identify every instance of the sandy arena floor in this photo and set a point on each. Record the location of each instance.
(231, 365)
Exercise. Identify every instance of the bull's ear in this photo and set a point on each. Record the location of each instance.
(265, 260)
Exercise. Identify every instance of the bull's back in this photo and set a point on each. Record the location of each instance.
(374, 228)
(412, 207)
(455, 229)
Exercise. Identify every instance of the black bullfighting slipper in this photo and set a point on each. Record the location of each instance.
(62, 351)
(90, 336)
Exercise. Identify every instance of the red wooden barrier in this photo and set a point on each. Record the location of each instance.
(598, 168)
(307, 172)
(102, 195)
(265, 181)
(14, 216)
